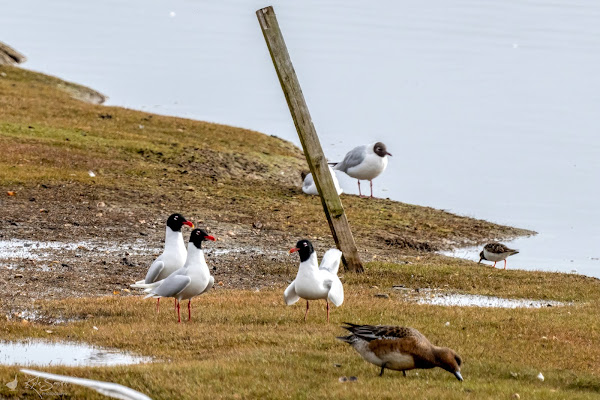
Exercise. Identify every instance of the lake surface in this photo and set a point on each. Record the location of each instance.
(489, 108)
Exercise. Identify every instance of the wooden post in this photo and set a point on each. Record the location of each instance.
(309, 139)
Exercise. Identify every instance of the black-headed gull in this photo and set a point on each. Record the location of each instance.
(496, 252)
(364, 163)
(190, 280)
(309, 186)
(314, 281)
(109, 389)
(173, 255)
(400, 348)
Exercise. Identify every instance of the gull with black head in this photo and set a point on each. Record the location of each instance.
(173, 256)
(400, 348)
(190, 280)
(314, 281)
(365, 162)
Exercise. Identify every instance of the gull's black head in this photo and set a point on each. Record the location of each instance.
(304, 249)
(176, 221)
(380, 149)
(481, 257)
(198, 236)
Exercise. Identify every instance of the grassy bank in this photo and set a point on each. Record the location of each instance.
(244, 344)
(158, 162)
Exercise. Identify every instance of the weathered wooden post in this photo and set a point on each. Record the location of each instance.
(309, 139)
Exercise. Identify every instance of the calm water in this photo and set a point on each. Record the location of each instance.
(490, 108)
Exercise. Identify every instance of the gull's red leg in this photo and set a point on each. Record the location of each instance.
(189, 309)
(178, 312)
(359, 193)
(494, 266)
(157, 304)
(306, 313)
(371, 182)
(504, 264)
(327, 311)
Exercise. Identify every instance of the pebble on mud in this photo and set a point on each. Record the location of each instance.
(382, 295)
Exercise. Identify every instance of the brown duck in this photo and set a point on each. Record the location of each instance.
(400, 348)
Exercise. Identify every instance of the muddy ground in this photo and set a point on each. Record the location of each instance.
(73, 241)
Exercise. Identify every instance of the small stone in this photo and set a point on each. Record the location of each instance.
(24, 322)
(541, 377)
(11, 193)
(337, 365)
(231, 233)
(514, 374)
(515, 396)
(220, 283)
(353, 379)
(18, 275)
(101, 204)
(190, 188)
(49, 331)
(382, 295)
(374, 287)
(447, 323)
(91, 174)
(544, 338)
(343, 379)
(257, 225)
(95, 328)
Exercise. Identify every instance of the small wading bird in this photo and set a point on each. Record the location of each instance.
(109, 389)
(364, 163)
(400, 348)
(190, 280)
(313, 281)
(496, 252)
(173, 255)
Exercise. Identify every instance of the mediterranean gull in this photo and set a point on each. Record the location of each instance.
(173, 255)
(313, 281)
(190, 280)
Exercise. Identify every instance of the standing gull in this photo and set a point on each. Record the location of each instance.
(173, 255)
(188, 281)
(365, 163)
(400, 348)
(496, 252)
(313, 281)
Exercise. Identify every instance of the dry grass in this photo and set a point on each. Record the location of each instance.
(244, 344)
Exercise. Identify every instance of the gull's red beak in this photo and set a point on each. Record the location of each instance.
(295, 249)
(389, 154)
(209, 237)
(188, 223)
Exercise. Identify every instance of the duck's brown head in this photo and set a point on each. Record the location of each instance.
(450, 361)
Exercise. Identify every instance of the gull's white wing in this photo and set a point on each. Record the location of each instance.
(171, 286)
(113, 390)
(331, 261)
(290, 295)
(336, 291)
(155, 270)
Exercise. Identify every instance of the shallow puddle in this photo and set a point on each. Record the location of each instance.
(43, 353)
(471, 300)
(41, 250)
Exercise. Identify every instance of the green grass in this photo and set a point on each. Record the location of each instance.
(244, 344)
